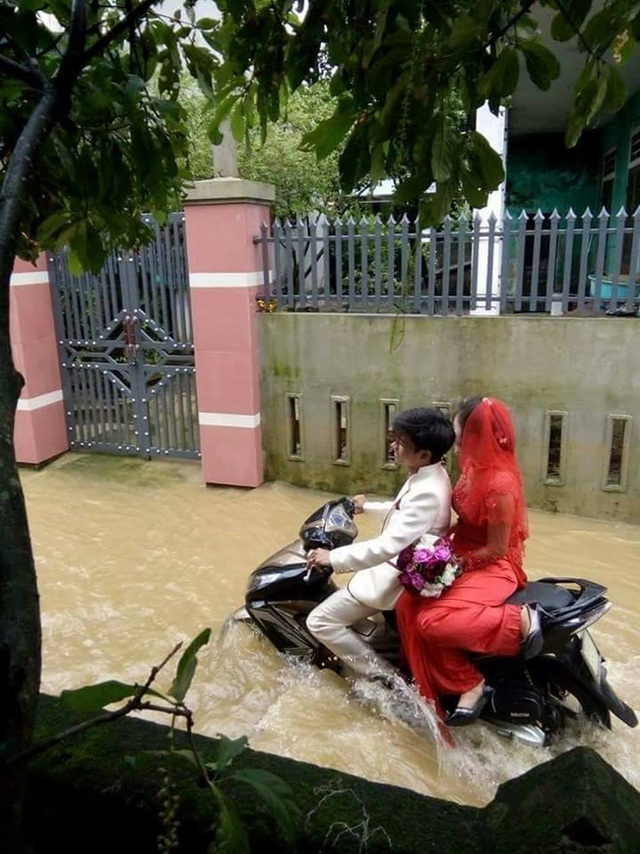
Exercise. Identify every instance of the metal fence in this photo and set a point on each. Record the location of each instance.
(543, 263)
(126, 349)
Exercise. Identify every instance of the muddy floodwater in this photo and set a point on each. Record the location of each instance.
(133, 556)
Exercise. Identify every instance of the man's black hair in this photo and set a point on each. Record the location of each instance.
(428, 428)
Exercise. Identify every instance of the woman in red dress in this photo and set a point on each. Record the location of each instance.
(437, 634)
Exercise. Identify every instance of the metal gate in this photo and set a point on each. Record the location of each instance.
(126, 350)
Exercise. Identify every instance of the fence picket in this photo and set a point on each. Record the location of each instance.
(634, 263)
(494, 263)
(554, 220)
(391, 229)
(462, 257)
(585, 245)
(617, 251)
(377, 261)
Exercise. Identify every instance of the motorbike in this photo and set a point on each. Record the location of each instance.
(531, 700)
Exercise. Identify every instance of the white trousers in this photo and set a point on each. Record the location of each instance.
(329, 623)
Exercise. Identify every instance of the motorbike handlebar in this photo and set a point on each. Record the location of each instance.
(322, 570)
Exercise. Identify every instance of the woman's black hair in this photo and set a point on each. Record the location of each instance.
(428, 428)
(465, 408)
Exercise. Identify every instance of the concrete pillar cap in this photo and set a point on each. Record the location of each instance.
(217, 191)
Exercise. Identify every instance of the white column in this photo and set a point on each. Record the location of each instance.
(494, 128)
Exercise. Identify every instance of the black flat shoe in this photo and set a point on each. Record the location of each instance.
(533, 643)
(462, 716)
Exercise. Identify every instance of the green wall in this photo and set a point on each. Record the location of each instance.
(617, 134)
(543, 174)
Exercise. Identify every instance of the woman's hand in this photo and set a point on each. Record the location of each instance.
(358, 504)
(318, 557)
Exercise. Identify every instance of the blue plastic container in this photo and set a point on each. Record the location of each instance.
(606, 288)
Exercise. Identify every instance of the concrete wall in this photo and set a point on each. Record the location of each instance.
(586, 367)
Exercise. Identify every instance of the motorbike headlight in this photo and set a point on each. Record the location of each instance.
(263, 580)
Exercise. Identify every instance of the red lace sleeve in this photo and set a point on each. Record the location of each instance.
(500, 507)
(500, 511)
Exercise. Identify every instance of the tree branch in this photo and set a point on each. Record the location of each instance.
(115, 32)
(72, 61)
(524, 9)
(21, 72)
(135, 704)
(576, 30)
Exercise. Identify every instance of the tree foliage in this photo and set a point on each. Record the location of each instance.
(303, 182)
(400, 71)
(114, 145)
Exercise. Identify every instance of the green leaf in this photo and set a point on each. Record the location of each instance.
(231, 836)
(330, 133)
(542, 64)
(187, 754)
(616, 96)
(561, 29)
(463, 34)
(276, 795)
(443, 150)
(228, 750)
(593, 97)
(377, 171)
(93, 698)
(472, 188)
(187, 666)
(413, 187)
(51, 227)
(600, 29)
(489, 161)
(355, 160)
(237, 122)
(575, 126)
(505, 72)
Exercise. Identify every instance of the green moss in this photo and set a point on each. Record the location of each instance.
(100, 792)
(85, 795)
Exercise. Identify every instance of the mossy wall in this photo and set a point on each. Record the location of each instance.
(100, 792)
(584, 366)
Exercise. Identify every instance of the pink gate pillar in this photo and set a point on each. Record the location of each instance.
(40, 431)
(222, 217)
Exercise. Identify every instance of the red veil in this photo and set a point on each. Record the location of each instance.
(492, 483)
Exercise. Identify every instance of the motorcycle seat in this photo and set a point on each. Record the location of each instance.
(551, 597)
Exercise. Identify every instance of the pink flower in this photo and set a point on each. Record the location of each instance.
(428, 571)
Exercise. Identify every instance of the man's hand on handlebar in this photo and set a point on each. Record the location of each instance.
(358, 504)
(317, 560)
(318, 557)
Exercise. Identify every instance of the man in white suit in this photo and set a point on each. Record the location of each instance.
(422, 436)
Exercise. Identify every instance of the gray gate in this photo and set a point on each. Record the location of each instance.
(126, 350)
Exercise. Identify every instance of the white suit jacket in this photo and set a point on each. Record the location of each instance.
(422, 506)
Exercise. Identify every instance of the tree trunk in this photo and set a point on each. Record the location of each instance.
(19, 602)
(19, 610)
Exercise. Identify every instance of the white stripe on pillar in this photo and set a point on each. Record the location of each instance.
(227, 280)
(30, 403)
(224, 419)
(38, 277)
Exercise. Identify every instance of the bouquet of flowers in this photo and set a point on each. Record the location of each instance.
(427, 570)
